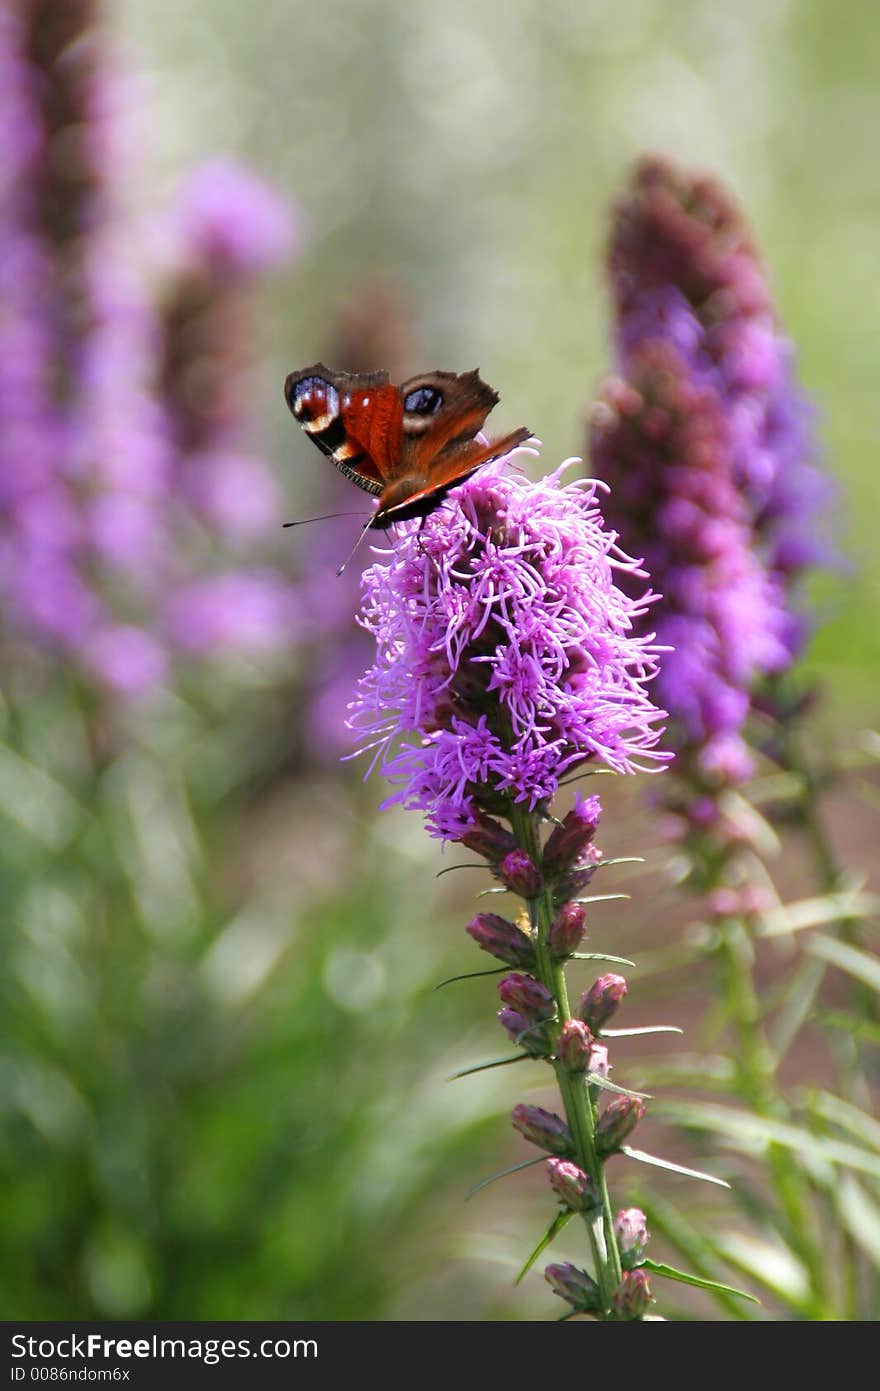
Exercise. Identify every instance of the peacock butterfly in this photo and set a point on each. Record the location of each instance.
(407, 445)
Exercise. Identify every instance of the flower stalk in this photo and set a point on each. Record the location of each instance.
(573, 1087)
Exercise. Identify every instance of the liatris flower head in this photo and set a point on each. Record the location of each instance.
(506, 653)
(501, 939)
(662, 440)
(567, 930)
(573, 1285)
(631, 1229)
(543, 1128)
(487, 837)
(687, 277)
(574, 1189)
(617, 1122)
(597, 1005)
(633, 1296)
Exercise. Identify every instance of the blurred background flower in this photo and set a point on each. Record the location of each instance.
(201, 911)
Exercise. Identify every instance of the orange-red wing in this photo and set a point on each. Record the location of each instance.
(373, 421)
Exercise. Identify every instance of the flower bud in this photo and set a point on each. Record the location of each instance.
(501, 939)
(521, 874)
(631, 1229)
(527, 995)
(569, 885)
(574, 1046)
(574, 1189)
(573, 1285)
(598, 1063)
(526, 1033)
(487, 837)
(567, 930)
(543, 1128)
(567, 843)
(617, 1122)
(598, 1004)
(633, 1295)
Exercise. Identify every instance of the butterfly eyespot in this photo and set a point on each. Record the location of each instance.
(314, 402)
(425, 400)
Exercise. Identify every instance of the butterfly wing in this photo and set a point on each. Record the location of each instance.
(355, 418)
(401, 502)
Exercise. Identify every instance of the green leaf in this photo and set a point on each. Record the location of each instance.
(644, 1158)
(472, 975)
(451, 868)
(502, 1173)
(601, 898)
(484, 1067)
(637, 1033)
(605, 1086)
(860, 1216)
(859, 964)
(845, 1116)
(859, 1028)
(600, 956)
(816, 912)
(559, 1221)
(745, 1131)
(668, 1272)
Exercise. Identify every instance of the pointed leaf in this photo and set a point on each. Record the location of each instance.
(472, 975)
(859, 1028)
(815, 912)
(601, 956)
(745, 1130)
(860, 1216)
(502, 1173)
(644, 1158)
(484, 1067)
(602, 898)
(559, 1221)
(605, 1086)
(668, 1272)
(857, 963)
(646, 1029)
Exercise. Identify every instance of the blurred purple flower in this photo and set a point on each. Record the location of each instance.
(708, 445)
(105, 505)
(505, 652)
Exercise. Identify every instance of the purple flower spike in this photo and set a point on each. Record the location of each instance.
(708, 445)
(505, 652)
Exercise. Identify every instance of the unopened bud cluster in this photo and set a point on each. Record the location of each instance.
(534, 1013)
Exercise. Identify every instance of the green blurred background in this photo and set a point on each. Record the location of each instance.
(225, 1064)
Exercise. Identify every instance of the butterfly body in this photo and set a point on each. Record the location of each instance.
(406, 445)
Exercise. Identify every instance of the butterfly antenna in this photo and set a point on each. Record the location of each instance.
(367, 524)
(327, 517)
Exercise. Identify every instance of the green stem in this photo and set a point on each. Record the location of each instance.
(579, 1110)
(755, 1068)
